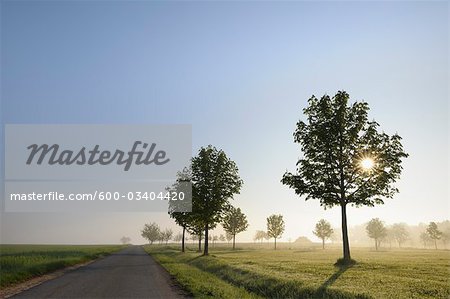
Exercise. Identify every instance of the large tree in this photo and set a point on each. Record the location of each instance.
(275, 227)
(215, 180)
(234, 222)
(346, 159)
(376, 230)
(323, 230)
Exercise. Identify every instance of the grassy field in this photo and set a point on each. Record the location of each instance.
(308, 273)
(21, 262)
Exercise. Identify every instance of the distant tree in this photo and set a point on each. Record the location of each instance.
(229, 237)
(425, 238)
(178, 237)
(266, 237)
(304, 241)
(215, 239)
(434, 233)
(125, 240)
(389, 238)
(336, 236)
(151, 232)
(446, 236)
(178, 209)
(323, 231)
(259, 235)
(234, 222)
(376, 230)
(197, 233)
(166, 235)
(400, 233)
(444, 227)
(346, 160)
(215, 180)
(275, 227)
(222, 238)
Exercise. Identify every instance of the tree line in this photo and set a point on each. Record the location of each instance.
(398, 232)
(346, 160)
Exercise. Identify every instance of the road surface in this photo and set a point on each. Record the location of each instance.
(129, 273)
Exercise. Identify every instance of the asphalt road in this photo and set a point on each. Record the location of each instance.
(130, 273)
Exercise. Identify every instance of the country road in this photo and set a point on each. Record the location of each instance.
(129, 273)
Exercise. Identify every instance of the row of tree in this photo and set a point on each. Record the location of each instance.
(152, 232)
(399, 232)
(346, 160)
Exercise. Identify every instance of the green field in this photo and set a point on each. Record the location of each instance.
(308, 273)
(21, 262)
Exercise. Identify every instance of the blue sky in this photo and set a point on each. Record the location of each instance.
(240, 73)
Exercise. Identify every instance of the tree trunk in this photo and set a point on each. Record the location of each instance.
(206, 249)
(234, 241)
(345, 244)
(323, 243)
(275, 243)
(182, 239)
(200, 243)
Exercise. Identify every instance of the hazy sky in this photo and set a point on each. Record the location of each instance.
(240, 73)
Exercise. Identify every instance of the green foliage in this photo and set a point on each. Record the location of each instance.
(21, 262)
(433, 231)
(323, 230)
(396, 274)
(376, 230)
(335, 140)
(234, 222)
(215, 180)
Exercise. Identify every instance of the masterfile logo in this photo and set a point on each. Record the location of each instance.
(53, 155)
(95, 167)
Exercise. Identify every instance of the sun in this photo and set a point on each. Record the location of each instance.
(367, 163)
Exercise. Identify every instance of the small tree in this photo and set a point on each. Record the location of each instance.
(222, 238)
(125, 240)
(151, 232)
(425, 238)
(434, 233)
(400, 233)
(166, 235)
(177, 208)
(323, 231)
(178, 237)
(259, 235)
(376, 230)
(336, 236)
(234, 222)
(275, 227)
(389, 236)
(446, 236)
(229, 237)
(345, 160)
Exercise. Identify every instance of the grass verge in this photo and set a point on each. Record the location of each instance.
(310, 273)
(19, 263)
